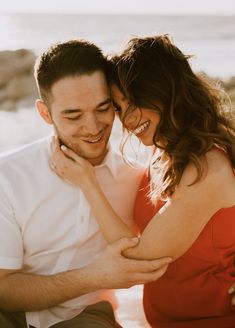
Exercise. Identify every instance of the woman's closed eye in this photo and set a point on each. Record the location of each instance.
(117, 108)
(105, 109)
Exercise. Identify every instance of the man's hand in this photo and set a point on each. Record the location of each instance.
(113, 270)
(231, 291)
(21, 291)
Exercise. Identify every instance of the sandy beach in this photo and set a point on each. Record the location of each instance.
(130, 313)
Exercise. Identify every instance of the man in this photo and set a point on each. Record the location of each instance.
(54, 261)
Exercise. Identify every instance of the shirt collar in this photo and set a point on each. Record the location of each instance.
(110, 161)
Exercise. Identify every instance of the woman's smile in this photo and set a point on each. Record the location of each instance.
(141, 129)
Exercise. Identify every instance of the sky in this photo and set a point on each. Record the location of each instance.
(185, 7)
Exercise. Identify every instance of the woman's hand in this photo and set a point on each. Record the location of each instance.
(71, 167)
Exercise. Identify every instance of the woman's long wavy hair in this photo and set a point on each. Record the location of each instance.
(194, 117)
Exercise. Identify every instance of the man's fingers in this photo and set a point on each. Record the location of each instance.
(148, 266)
(158, 273)
(152, 265)
(139, 265)
(125, 243)
(153, 276)
(143, 278)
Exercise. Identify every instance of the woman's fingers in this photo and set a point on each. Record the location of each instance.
(58, 161)
(71, 154)
(60, 150)
(55, 143)
(70, 166)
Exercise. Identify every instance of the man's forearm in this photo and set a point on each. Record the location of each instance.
(29, 292)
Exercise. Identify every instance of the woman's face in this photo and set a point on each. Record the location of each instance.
(142, 122)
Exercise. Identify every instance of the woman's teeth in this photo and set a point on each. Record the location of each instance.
(141, 128)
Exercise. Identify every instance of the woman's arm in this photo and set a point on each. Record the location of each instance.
(173, 230)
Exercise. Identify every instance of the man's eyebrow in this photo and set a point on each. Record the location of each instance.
(105, 102)
(71, 111)
(79, 110)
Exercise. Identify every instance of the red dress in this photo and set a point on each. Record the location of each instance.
(193, 293)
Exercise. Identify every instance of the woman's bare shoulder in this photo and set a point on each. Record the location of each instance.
(217, 181)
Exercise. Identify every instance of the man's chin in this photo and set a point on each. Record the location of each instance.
(93, 157)
(91, 152)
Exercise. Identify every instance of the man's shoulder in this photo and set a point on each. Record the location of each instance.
(23, 152)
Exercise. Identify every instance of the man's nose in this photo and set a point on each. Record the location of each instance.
(92, 126)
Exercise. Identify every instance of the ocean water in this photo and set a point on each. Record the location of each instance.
(211, 39)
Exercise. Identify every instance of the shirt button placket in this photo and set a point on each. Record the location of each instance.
(82, 217)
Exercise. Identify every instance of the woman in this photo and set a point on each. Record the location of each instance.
(165, 104)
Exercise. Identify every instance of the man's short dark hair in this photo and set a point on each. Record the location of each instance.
(71, 58)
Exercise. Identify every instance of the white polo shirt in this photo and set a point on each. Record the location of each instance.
(46, 224)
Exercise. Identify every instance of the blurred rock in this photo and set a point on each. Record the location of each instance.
(16, 78)
(17, 85)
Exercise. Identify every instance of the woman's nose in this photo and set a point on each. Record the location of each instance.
(131, 120)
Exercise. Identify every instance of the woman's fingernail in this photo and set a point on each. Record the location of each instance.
(63, 147)
(231, 290)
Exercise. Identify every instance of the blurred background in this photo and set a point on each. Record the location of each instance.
(203, 28)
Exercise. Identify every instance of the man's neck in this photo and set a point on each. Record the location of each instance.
(99, 160)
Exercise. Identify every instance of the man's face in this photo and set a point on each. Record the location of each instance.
(82, 114)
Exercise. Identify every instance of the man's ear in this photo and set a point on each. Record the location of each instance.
(43, 111)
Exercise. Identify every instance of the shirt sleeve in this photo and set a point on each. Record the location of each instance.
(11, 245)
